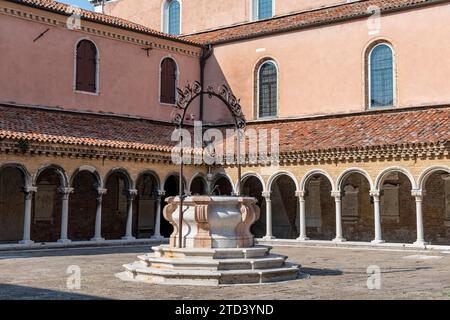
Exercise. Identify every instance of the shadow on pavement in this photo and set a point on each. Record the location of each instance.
(17, 292)
(36, 253)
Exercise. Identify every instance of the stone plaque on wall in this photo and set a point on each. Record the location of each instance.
(313, 208)
(146, 214)
(44, 204)
(350, 204)
(446, 179)
(122, 202)
(389, 204)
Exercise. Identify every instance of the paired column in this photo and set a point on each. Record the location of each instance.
(302, 213)
(338, 202)
(28, 191)
(418, 194)
(266, 195)
(375, 194)
(98, 215)
(157, 234)
(65, 193)
(129, 229)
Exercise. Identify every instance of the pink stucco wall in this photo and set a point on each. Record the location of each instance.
(322, 70)
(42, 72)
(198, 15)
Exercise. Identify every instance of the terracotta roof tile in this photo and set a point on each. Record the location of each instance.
(65, 9)
(304, 19)
(84, 129)
(373, 129)
(412, 126)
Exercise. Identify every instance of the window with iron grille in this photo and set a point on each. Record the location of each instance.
(86, 67)
(268, 90)
(264, 9)
(381, 76)
(168, 81)
(174, 18)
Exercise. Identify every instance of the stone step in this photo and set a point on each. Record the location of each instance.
(269, 261)
(223, 253)
(285, 273)
(138, 272)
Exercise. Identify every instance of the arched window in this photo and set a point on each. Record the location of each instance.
(172, 17)
(263, 9)
(86, 66)
(381, 76)
(267, 90)
(168, 81)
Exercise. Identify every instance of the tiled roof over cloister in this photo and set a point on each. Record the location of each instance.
(368, 130)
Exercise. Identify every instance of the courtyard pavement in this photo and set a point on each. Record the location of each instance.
(327, 273)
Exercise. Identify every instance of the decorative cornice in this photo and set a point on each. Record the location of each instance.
(23, 14)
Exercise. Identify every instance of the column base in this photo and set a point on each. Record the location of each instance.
(377, 241)
(268, 237)
(98, 239)
(420, 244)
(26, 242)
(128, 238)
(157, 237)
(339, 239)
(302, 238)
(64, 241)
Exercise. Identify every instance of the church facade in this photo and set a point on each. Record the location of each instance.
(356, 92)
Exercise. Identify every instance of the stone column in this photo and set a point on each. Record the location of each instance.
(375, 194)
(301, 203)
(98, 215)
(418, 194)
(157, 235)
(129, 229)
(65, 193)
(338, 201)
(28, 191)
(268, 235)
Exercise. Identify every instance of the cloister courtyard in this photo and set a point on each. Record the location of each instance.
(326, 273)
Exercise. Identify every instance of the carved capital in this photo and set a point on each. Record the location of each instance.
(29, 189)
(375, 193)
(300, 194)
(417, 193)
(161, 193)
(65, 190)
(266, 194)
(336, 195)
(101, 191)
(131, 193)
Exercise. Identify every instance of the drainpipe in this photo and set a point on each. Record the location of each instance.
(206, 53)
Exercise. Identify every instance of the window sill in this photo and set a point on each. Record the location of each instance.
(168, 104)
(87, 92)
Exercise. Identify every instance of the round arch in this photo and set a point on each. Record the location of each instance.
(198, 175)
(27, 179)
(281, 173)
(427, 173)
(221, 175)
(249, 175)
(314, 172)
(344, 175)
(383, 174)
(176, 175)
(64, 179)
(150, 173)
(129, 181)
(90, 169)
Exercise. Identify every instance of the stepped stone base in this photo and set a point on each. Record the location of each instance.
(210, 267)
